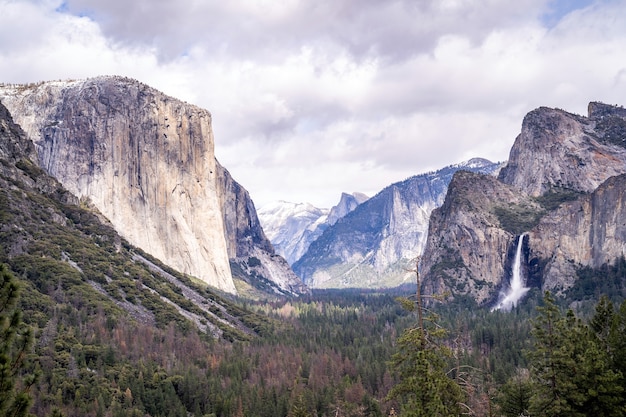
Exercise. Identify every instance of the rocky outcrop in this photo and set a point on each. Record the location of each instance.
(560, 149)
(375, 245)
(247, 245)
(144, 159)
(347, 203)
(468, 248)
(590, 231)
(563, 186)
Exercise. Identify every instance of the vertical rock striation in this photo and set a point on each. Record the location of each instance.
(590, 231)
(144, 159)
(247, 245)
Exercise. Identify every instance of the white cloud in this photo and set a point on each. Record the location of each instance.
(312, 98)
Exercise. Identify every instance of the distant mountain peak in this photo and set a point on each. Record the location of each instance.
(373, 245)
(291, 227)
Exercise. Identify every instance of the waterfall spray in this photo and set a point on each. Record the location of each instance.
(517, 288)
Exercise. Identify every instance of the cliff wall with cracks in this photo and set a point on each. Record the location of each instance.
(145, 160)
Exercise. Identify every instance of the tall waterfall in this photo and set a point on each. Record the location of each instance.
(517, 288)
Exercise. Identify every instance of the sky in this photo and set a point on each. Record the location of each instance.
(312, 98)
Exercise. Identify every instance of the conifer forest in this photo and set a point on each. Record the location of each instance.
(334, 353)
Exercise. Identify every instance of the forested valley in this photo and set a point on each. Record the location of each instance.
(91, 326)
(335, 353)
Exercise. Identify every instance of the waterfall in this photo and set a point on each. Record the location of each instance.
(517, 287)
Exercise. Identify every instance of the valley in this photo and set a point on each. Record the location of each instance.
(138, 279)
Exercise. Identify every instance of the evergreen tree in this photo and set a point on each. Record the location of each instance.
(617, 343)
(15, 341)
(571, 369)
(424, 389)
(514, 396)
(299, 409)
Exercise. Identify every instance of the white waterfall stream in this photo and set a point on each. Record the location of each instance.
(517, 288)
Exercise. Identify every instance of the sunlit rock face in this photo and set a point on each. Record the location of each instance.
(564, 185)
(144, 159)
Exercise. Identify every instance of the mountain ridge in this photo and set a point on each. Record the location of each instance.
(292, 227)
(146, 161)
(374, 245)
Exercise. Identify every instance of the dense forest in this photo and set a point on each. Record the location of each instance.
(335, 353)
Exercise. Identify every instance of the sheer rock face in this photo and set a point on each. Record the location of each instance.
(560, 149)
(467, 249)
(144, 159)
(246, 242)
(590, 231)
(583, 158)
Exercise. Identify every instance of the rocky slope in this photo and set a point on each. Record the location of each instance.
(68, 258)
(563, 186)
(560, 149)
(292, 227)
(145, 160)
(374, 245)
(251, 254)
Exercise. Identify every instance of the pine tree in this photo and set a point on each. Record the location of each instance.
(571, 367)
(15, 341)
(514, 396)
(617, 343)
(298, 408)
(424, 389)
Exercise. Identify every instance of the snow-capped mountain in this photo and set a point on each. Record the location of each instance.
(373, 246)
(291, 227)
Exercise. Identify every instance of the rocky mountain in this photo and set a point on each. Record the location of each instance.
(563, 186)
(374, 245)
(291, 227)
(347, 203)
(252, 256)
(68, 257)
(146, 162)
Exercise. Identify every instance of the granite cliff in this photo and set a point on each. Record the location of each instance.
(250, 252)
(563, 186)
(560, 149)
(146, 162)
(70, 262)
(374, 246)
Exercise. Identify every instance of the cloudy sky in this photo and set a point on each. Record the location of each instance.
(314, 97)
